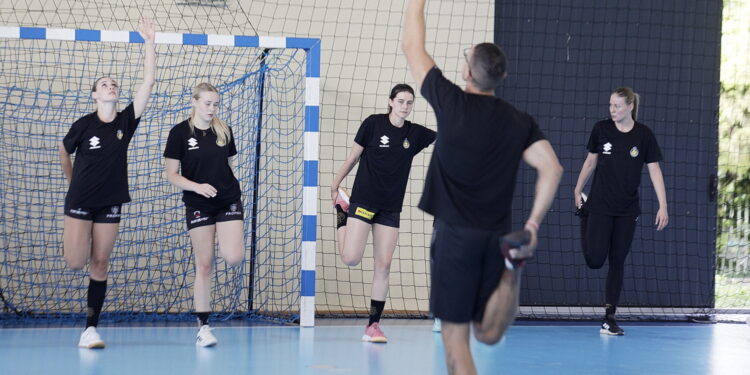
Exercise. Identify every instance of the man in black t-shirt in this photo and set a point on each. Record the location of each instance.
(99, 180)
(469, 188)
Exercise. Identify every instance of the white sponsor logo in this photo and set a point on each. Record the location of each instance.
(78, 211)
(384, 141)
(94, 143)
(607, 148)
(193, 143)
(198, 220)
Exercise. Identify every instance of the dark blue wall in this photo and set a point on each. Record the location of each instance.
(565, 58)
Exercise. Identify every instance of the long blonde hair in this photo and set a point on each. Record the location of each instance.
(218, 126)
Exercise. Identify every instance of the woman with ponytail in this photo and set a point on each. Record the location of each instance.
(197, 161)
(618, 148)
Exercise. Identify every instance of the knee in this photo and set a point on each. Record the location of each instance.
(489, 338)
(594, 262)
(234, 259)
(75, 264)
(349, 259)
(383, 266)
(204, 270)
(98, 266)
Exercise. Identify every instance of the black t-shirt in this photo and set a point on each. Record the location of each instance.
(480, 143)
(386, 160)
(204, 161)
(618, 167)
(100, 171)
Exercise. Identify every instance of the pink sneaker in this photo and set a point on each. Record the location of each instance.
(374, 334)
(342, 199)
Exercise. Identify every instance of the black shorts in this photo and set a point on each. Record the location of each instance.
(466, 265)
(374, 215)
(198, 218)
(105, 215)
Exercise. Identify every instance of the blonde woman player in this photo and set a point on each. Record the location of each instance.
(197, 161)
(99, 180)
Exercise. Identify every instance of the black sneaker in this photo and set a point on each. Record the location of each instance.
(514, 240)
(610, 327)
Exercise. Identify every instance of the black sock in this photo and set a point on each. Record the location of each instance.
(97, 290)
(610, 311)
(340, 217)
(376, 309)
(202, 317)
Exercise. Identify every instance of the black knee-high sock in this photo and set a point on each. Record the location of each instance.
(376, 309)
(340, 216)
(202, 317)
(609, 311)
(97, 290)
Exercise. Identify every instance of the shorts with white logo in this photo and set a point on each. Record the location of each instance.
(374, 215)
(198, 218)
(466, 266)
(105, 215)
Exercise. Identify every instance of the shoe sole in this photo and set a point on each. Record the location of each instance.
(379, 340)
(96, 345)
(206, 345)
(607, 332)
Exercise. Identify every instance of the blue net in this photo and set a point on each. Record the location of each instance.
(151, 271)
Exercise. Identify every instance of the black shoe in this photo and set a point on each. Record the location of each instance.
(610, 327)
(514, 240)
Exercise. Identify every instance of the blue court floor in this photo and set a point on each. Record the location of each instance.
(334, 347)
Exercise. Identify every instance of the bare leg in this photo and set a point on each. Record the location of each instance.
(76, 241)
(500, 310)
(203, 240)
(231, 237)
(352, 241)
(385, 239)
(457, 351)
(104, 236)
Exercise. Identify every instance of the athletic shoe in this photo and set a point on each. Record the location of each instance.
(342, 199)
(436, 326)
(205, 337)
(374, 334)
(90, 339)
(514, 240)
(610, 327)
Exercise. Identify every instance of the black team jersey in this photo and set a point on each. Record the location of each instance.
(619, 164)
(100, 170)
(204, 161)
(386, 161)
(480, 143)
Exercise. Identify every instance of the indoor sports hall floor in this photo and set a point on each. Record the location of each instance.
(334, 347)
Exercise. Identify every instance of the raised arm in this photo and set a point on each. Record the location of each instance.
(413, 42)
(657, 179)
(349, 163)
(172, 170)
(588, 166)
(147, 30)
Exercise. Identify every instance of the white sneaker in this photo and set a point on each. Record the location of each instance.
(436, 326)
(205, 337)
(90, 339)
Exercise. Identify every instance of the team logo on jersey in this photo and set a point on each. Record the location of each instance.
(406, 143)
(193, 143)
(233, 207)
(119, 134)
(196, 214)
(115, 209)
(220, 142)
(634, 152)
(607, 148)
(115, 212)
(384, 141)
(94, 143)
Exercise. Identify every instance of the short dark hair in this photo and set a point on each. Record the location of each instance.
(487, 66)
(401, 87)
